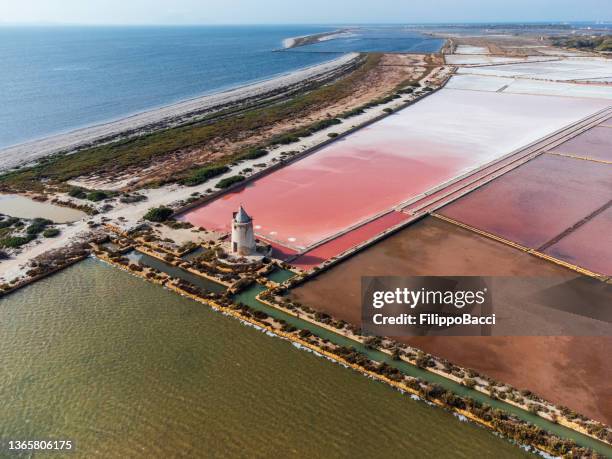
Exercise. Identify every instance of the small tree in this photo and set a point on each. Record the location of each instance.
(158, 214)
(51, 232)
(77, 192)
(229, 181)
(96, 196)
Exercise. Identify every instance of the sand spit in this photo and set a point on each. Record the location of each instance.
(172, 115)
(304, 40)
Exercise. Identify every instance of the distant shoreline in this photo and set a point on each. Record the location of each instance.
(170, 115)
(304, 40)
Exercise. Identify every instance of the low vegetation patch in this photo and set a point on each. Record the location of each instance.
(202, 174)
(602, 43)
(12, 242)
(374, 103)
(8, 222)
(51, 232)
(296, 135)
(254, 153)
(158, 214)
(229, 181)
(77, 192)
(38, 225)
(96, 196)
(90, 195)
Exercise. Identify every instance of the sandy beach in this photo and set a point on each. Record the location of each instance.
(170, 115)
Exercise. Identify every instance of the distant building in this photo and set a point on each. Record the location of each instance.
(243, 237)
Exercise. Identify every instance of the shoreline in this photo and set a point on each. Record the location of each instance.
(171, 115)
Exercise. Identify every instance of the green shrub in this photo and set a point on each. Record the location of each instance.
(229, 181)
(284, 139)
(77, 192)
(158, 214)
(310, 130)
(333, 135)
(605, 45)
(130, 198)
(16, 241)
(254, 153)
(320, 125)
(51, 232)
(96, 196)
(353, 112)
(202, 174)
(38, 225)
(8, 222)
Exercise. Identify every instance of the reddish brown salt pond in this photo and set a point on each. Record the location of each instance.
(538, 201)
(589, 246)
(545, 365)
(596, 143)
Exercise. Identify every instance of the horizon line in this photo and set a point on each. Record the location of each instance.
(336, 23)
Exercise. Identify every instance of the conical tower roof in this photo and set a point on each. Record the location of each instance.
(242, 216)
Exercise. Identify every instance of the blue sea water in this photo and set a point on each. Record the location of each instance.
(378, 39)
(56, 79)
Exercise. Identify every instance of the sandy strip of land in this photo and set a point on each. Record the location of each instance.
(164, 116)
(304, 40)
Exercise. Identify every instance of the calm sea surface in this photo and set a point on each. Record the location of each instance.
(55, 79)
(127, 369)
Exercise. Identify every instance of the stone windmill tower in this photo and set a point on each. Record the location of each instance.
(243, 237)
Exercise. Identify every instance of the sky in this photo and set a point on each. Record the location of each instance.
(298, 12)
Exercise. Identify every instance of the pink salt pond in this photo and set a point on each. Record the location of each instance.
(538, 201)
(350, 239)
(589, 246)
(596, 143)
(368, 173)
